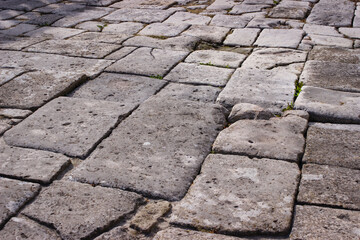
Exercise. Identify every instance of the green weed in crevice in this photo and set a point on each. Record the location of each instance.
(101, 27)
(298, 89)
(207, 64)
(157, 77)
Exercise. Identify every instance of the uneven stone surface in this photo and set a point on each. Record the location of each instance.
(216, 58)
(248, 111)
(65, 205)
(290, 9)
(333, 54)
(228, 21)
(235, 194)
(207, 33)
(102, 37)
(14, 113)
(54, 32)
(289, 38)
(188, 18)
(242, 37)
(163, 29)
(122, 233)
(138, 15)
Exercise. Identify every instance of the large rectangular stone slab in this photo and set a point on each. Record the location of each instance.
(239, 195)
(207, 33)
(333, 144)
(101, 37)
(155, 152)
(216, 58)
(188, 18)
(139, 15)
(333, 54)
(229, 21)
(290, 9)
(286, 38)
(71, 126)
(79, 211)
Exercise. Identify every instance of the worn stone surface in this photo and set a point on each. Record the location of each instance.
(235, 194)
(101, 38)
(277, 138)
(207, 33)
(326, 105)
(8, 74)
(328, 185)
(321, 30)
(316, 39)
(144, 4)
(188, 18)
(25, 228)
(148, 61)
(121, 233)
(163, 29)
(325, 223)
(290, 9)
(289, 38)
(333, 144)
(19, 29)
(81, 122)
(54, 32)
(138, 15)
(229, 21)
(299, 113)
(248, 111)
(14, 113)
(30, 164)
(333, 54)
(122, 52)
(181, 137)
(4, 126)
(242, 37)
(216, 58)
(13, 195)
(350, 32)
(199, 74)
(79, 210)
(126, 28)
(17, 43)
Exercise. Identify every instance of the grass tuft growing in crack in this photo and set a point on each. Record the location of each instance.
(157, 77)
(298, 88)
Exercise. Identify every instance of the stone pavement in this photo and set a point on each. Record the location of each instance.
(179, 119)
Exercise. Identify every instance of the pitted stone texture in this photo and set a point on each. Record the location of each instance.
(242, 37)
(288, 38)
(229, 21)
(160, 152)
(290, 9)
(216, 58)
(163, 29)
(268, 89)
(138, 15)
(181, 234)
(207, 33)
(327, 185)
(181, 43)
(102, 37)
(13, 195)
(126, 28)
(248, 111)
(123, 52)
(239, 195)
(324, 40)
(277, 138)
(71, 126)
(78, 211)
(144, 4)
(188, 18)
(332, 75)
(326, 105)
(54, 32)
(25, 228)
(55, 75)
(333, 144)
(337, 13)
(199, 74)
(332, 54)
(129, 90)
(28, 164)
(313, 222)
(148, 61)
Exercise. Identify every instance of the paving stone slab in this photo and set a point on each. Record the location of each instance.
(7, 74)
(7, 14)
(126, 28)
(268, 89)
(28, 164)
(325, 223)
(229, 21)
(138, 15)
(333, 54)
(24, 6)
(248, 111)
(188, 18)
(129, 90)
(350, 32)
(321, 30)
(78, 211)
(19, 29)
(54, 32)
(13, 195)
(4, 24)
(122, 52)
(62, 8)
(163, 29)
(91, 26)
(14, 113)
(17, 43)
(332, 75)
(288, 38)
(207, 33)
(25, 228)
(239, 195)
(248, 8)
(148, 61)
(102, 37)
(199, 74)
(81, 122)
(144, 4)
(325, 105)
(262, 22)
(181, 137)
(216, 58)
(333, 144)
(328, 185)
(277, 138)
(330, 41)
(290, 9)
(242, 37)
(44, 20)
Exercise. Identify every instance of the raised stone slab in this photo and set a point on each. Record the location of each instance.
(207, 33)
(242, 37)
(287, 38)
(71, 126)
(333, 144)
(328, 185)
(148, 61)
(138, 15)
(126, 28)
(268, 89)
(326, 105)
(13, 195)
(229, 21)
(199, 74)
(315, 39)
(333, 54)
(277, 138)
(248, 111)
(188, 18)
(79, 210)
(325, 223)
(290, 9)
(155, 152)
(122, 52)
(24, 228)
(216, 58)
(17, 43)
(33, 165)
(239, 195)
(163, 29)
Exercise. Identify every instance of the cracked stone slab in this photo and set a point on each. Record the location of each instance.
(28, 164)
(81, 122)
(262, 22)
(239, 195)
(268, 89)
(199, 74)
(332, 75)
(276, 138)
(163, 29)
(333, 144)
(229, 21)
(148, 61)
(24, 228)
(313, 222)
(188, 18)
(242, 37)
(13, 195)
(290, 9)
(325, 105)
(288, 38)
(207, 33)
(144, 4)
(54, 32)
(4, 126)
(44, 20)
(122, 52)
(4, 24)
(138, 15)
(129, 90)
(329, 185)
(166, 148)
(79, 211)
(216, 58)
(94, 37)
(350, 32)
(126, 28)
(333, 54)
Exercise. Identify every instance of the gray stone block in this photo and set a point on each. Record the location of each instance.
(101, 37)
(54, 32)
(242, 37)
(290, 9)
(126, 28)
(207, 33)
(163, 29)
(333, 54)
(216, 58)
(288, 38)
(248, 111)
(229, 21)
(122, 52)
(188, 18)
(14, 113)
(144, 4)
(138, 15)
